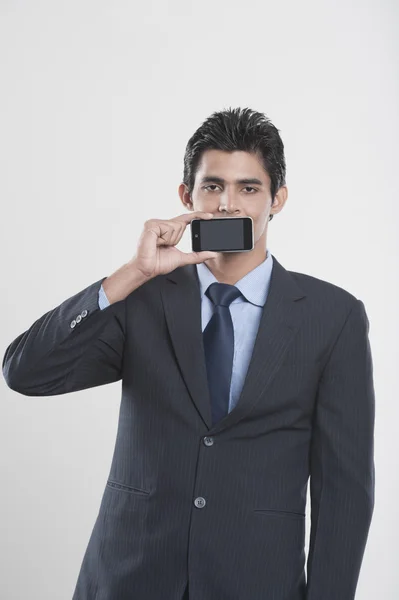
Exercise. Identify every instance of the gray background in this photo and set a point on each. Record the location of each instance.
(98, 100)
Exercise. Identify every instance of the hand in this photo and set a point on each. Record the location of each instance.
(156, 253)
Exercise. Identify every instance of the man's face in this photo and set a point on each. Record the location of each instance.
(232, 184)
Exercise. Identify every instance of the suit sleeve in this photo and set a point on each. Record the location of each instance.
(74, 346)
(342, 474)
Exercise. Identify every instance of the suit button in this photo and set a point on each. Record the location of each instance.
(73, 323)
(208, 441)
(78, 318)
(199, 502)
(84, 313)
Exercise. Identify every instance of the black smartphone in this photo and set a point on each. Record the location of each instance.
(227, 234)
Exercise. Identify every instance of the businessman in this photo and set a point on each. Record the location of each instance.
(241, 382)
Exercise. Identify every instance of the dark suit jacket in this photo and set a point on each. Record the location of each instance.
(221, 507)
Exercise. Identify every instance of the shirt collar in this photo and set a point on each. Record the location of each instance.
(254, 286)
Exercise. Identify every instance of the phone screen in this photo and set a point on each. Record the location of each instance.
(226, 234)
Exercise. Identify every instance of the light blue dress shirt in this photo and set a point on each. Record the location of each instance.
(103, 301)
(245, 313)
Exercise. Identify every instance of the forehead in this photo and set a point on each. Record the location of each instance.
(231, 165)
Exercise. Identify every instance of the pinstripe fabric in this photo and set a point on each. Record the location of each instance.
(245, 313)
(222, 507)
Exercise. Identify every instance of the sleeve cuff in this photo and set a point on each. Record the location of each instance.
(103, 301)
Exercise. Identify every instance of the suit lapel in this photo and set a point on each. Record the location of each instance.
(280, 320)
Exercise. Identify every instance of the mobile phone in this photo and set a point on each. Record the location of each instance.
(225, 234)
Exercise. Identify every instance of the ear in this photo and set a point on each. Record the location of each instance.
(185, 196)
(279, 200)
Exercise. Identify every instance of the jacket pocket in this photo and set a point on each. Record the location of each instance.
(282, 513)
(116, 485)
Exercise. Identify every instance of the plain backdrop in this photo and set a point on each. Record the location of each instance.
(98, 100)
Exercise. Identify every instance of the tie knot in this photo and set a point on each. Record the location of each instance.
(222, 294)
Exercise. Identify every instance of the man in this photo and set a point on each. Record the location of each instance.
(213, 508)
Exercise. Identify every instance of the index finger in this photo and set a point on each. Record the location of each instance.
(187, 217)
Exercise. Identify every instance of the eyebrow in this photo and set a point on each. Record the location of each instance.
(211, 178)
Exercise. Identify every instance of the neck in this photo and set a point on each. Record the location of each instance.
(230, 267)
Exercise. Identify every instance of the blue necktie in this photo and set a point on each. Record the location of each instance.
(218, 339)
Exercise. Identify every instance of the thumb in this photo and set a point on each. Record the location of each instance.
(192, 258)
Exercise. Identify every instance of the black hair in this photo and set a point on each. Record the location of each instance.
(238, 129)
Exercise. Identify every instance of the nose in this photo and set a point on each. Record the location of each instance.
(228, 203)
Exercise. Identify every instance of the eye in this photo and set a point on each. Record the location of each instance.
(209, 186)
(213, 185)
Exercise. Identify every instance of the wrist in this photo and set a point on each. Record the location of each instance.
(122, 283)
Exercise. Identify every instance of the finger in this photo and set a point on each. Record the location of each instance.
(192, 258)
(179, 229)
(187, 217)
(155, 236)
(169, 232)
(163, 231)
(148, 243)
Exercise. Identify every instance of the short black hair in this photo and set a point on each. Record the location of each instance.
(238, 129)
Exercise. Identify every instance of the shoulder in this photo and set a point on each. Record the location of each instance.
(326, 299)
(314, 286)
(331, 308)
